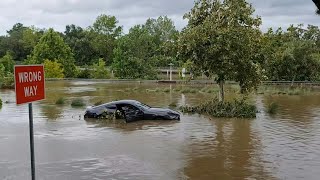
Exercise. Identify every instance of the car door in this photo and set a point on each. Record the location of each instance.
(132, 113)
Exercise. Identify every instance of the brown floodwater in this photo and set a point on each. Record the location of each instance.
(283, 146)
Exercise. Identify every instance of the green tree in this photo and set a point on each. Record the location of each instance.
(164, 36)
(8, 63)
(53, 69)
(81, 43)
(222, 38)
(134, 55)
(99, 70)
(51, 46)
(292, 55)
(104, 33)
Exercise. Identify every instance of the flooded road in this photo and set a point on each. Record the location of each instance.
(284, 146)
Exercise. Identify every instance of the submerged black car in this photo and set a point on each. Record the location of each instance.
(131, 110)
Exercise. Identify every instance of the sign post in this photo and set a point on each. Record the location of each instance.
(30, 87)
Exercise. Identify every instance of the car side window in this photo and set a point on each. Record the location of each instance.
(111, 107)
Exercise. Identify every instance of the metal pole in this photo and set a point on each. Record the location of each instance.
(170, 73)
(33, 171)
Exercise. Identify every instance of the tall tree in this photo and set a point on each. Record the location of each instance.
(104, 32)
(52, 47)
(134, 55)
(222, 38)
(81, 43)
(165, 35)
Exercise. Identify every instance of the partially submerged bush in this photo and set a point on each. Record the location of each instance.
(60, 101)
(272, 108)
(0, 103)
(236, 108)
(173, 105)
(78, 102)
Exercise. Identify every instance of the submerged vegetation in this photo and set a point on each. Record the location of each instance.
(78, 102)
(0, 103)
(272, 108)
(61, 101)
(233, 109)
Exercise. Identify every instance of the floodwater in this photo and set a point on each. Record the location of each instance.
(284, 146)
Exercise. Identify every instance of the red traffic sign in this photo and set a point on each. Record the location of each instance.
(29, 83)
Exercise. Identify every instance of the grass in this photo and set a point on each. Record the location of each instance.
(272, 108)
(98, 103)
(61, 101)
(78, 102)
(233, 109)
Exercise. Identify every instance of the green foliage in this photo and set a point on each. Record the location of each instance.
(53, 69)
(61, 101)
(2, 73)
(51, 46)
(8, 63)
(6, 82)
(81, 42)
(85, 73)
(236, 108)
(0, 103)
(78, 102)
(293, 55)
(222, 39)
(99, 70)
(272, 108)
(104, 33)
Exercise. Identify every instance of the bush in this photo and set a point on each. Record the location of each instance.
(78, 102)
(7, 82)
(84, 74)
(53, 69)
(61, 101)
(0, 103)
(236, 108)
(99, 70)
(272, 108)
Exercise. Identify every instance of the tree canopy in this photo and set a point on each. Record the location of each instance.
(221, 38)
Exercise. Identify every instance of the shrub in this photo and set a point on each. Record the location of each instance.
(7, 82)
(84, 74)
(78, 102)
(0, 103)
(53, 69)
(272, 108)
(236, 108)
(60, 101)
(99, 70)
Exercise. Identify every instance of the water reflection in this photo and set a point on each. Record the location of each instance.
(51, 112)
(121, 125)
(232, 153)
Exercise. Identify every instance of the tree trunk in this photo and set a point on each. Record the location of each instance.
(221, 93)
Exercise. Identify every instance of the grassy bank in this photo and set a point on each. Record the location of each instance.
(231, 109)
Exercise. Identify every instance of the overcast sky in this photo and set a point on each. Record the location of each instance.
(59, 13)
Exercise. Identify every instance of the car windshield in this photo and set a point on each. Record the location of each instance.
(144, 106)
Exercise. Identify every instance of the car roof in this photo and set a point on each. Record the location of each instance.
(119, 102)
